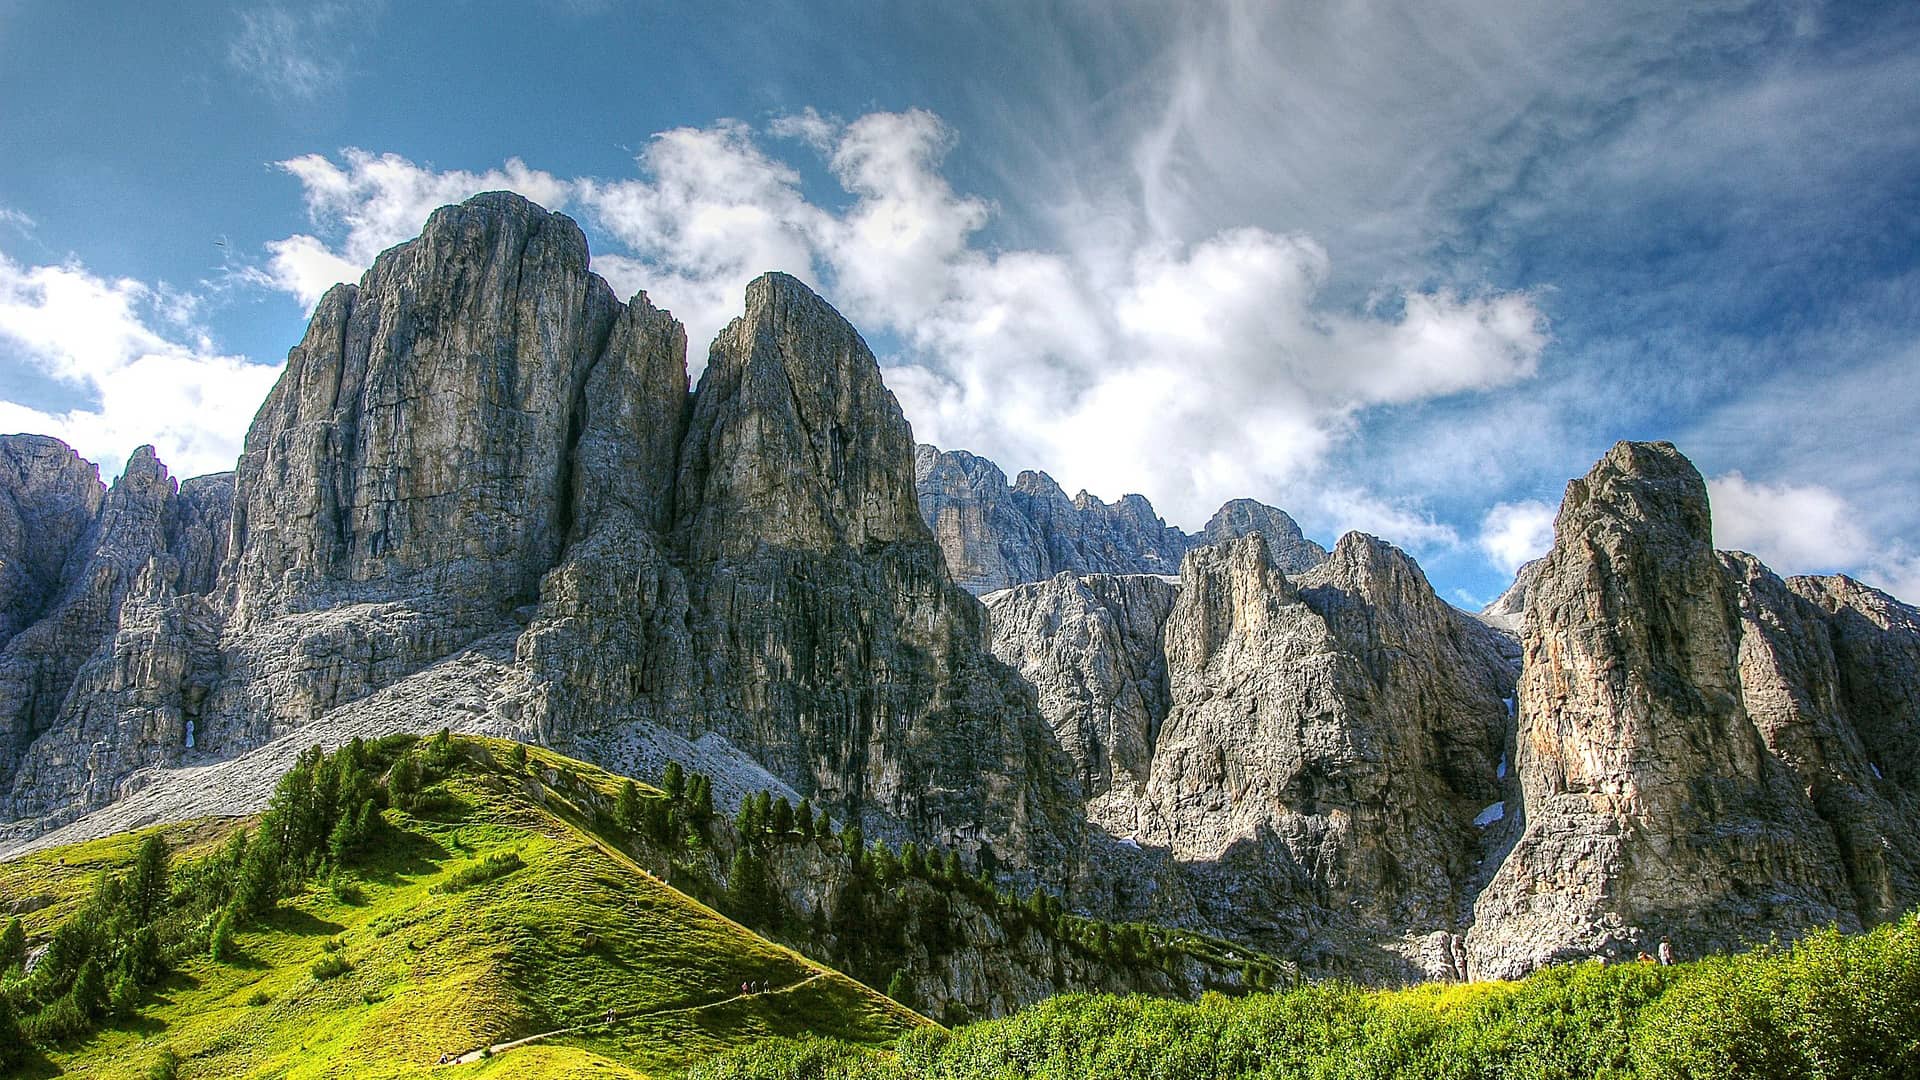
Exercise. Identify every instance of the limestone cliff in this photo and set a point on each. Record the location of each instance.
(1652, 805)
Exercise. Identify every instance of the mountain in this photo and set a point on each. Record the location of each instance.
(484, 497)
(995, 535)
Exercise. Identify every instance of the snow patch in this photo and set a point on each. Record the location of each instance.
(1491, 814)
(1876, 771)
(1500, 772)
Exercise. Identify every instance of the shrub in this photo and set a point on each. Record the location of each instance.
(487, 869)
(166, 1066)
(330, 966)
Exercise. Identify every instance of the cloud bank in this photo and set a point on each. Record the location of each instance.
(142, 380)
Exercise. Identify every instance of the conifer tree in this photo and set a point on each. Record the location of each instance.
(147, 889)
(780, 820)
(803, 818)
(626, 809)
(675, 782)
(13, 945)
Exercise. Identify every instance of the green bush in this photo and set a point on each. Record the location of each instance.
(487, 869)
(330, 966)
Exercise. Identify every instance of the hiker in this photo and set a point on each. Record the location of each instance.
(745, 989)
(611, 1016)
(1644, 957)
(1666, 953)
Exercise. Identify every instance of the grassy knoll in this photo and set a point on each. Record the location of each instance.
(1832, 1006)
(428, 939)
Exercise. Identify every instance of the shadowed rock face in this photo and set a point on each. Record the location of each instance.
(1652, 804)
(995, 535)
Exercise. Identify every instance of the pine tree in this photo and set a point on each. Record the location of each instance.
(900, 987)
(626, 809)
(13, 1042)
(781, 819)
(750, 896)
(90, 990)
(221, 945)
(675, 781)
(519, 757)
(956, 871)
(803, 819)
(910, 864)
(13, 946)
(403, 781)
(147, 889)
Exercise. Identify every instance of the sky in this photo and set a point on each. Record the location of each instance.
(1397, 267)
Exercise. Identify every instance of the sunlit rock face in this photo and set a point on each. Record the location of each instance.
(1652, 804)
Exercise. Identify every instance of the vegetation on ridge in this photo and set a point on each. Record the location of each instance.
(1832, 1006)
(483, 906)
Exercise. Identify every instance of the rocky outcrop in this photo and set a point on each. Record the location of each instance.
(1651, 803)
(1289, 549)
(1509, 610)
(1312, 751)
(837, 651)
(106, 679)
(1331, 738)
(49, 497)
(995, 535)
(1090, 647)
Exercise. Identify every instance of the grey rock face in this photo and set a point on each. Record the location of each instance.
(1796, 687)
(995, 535)
(1291, 551)
(1331, 737)
(835, 649)
(1312, 751)
(104, 681)
(1651, 803)
(1090, 646)
(49, 496)
(1508, 610)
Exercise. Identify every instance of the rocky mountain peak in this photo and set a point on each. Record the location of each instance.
(794, 439)
(1288, 547)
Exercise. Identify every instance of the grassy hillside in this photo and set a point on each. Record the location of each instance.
(488, 911)
(1833, 1006)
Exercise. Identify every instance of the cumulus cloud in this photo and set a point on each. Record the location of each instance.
(1515, 533)
(1807, 529)
(96, 337)
(1191, 372)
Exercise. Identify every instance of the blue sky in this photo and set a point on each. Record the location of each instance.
(1398, 267)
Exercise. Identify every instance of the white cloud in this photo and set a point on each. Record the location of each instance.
(1515, 533)
(1807, 529)
(1407, 526)
(15, 219)
(712, 212)
(1792, 528)
(94, 335)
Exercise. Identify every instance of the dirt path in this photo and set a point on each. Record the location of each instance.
(497, 1049)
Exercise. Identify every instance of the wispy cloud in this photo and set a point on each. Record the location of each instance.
(299, 52)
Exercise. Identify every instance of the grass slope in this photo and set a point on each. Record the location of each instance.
(575, 931)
